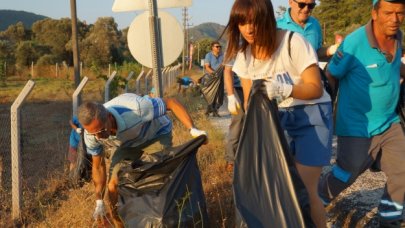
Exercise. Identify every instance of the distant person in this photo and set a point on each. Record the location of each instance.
(128, 125)
(184, 84)
(292, 77)
(213, 61)
(368, 68)
(298, 19)
(74, 140)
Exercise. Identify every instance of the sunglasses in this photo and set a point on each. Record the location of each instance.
(218, 46)
(302, 5)
(102, 131)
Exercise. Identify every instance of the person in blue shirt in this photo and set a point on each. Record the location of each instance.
(368, 67)
(298, 19)
(213, 61)
(184, 83)
(74, 140)
(126, 127)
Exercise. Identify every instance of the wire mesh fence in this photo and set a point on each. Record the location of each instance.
(44, 143)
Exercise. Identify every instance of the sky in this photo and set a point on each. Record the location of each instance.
(89, 10)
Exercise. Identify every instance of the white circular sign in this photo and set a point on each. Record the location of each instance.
(139, 42)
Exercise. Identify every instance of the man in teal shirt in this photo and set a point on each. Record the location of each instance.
(368, 67)
(298, 19)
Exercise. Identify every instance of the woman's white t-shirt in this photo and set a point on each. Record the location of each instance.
(281, 66)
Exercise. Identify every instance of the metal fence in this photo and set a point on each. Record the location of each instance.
(41, 141)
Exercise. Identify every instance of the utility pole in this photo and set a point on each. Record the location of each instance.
(75, 45)
(185, 42)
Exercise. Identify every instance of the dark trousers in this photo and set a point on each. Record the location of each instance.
(235, 129)
(386, 152)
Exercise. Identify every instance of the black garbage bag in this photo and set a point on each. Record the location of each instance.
(82, 171)
(263, 190)
(163, 189)
(213, 87)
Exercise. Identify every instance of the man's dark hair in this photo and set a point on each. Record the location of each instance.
(214, 43)
(90, 111)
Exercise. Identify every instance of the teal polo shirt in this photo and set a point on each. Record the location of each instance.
(311, 31)
(368, 85)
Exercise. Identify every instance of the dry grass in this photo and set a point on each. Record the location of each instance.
(49, 202)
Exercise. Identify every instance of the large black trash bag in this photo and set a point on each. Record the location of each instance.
(83, 165)
(263, 190)
(213, 87)
(163, 189)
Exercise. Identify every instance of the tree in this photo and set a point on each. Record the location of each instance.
(55, 34)
(101, 45)
(341, 16)
(15, 33)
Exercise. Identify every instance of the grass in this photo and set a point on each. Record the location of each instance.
(48, 201)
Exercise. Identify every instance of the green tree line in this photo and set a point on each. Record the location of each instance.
(342, 16)
(49, 42)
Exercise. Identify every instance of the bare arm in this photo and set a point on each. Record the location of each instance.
(99, 175)
(209, 69)
(246, 87)
(179, 111)
(228, 79)
(312, 87)
(72, 125)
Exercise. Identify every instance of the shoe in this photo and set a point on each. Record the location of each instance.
(207, 114)
(229, 167)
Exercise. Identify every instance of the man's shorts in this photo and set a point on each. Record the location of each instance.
(158, 144)
(308, 130)
(184, 86)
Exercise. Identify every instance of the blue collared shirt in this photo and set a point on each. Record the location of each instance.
(368, 85)
(311, 32)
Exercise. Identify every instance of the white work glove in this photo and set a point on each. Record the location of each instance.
(277, 89)
(195, 132)
(332, 49)
(78, 130)
(233, 104)
(99, 212)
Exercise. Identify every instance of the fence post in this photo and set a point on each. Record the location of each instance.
(16, 149)
(146, 80)
(32, 69)
(127, 81)
(138, 82)
(107, 86)
(76, 94)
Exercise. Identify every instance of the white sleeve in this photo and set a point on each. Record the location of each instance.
(303, 54)
(240, 66)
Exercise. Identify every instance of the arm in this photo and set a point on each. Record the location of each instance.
(312, 87)
(228, 79)
(99, 175)
(179, 111)
(72, 125)
(246, 86)
(209, 69)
